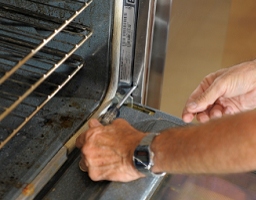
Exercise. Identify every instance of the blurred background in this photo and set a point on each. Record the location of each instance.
(205, 35)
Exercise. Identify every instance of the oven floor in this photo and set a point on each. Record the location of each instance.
(75, 184)
(28, 152)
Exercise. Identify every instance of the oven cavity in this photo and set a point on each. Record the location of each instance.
(37, 56)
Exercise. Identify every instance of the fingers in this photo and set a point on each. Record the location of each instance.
(207, 115)
(207, 98)
(202, 117)
(93, 123)
(188, 117)
(216, 111)
(107, 150)
(110, 169)
(207, 92)
(212, 112)
(235, 85)
(83, 164)
(201, 103)
(104, 163)
(81, 139)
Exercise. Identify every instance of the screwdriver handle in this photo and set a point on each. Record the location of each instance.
(109, 116)
(113, 111)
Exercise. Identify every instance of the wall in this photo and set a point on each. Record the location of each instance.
(205, 35)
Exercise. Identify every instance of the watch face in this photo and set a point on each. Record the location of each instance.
(142, 157)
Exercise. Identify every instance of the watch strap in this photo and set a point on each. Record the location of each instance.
(143, 156)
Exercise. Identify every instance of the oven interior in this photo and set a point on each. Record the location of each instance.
(48, 49)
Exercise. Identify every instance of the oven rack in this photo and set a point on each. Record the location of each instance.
(38, 40)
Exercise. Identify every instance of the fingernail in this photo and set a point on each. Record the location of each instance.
(82, 167)
(192, 105)
(94, 123)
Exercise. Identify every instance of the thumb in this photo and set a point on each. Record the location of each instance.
(93, 123)
(207, 98)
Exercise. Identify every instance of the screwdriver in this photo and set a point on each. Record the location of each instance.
(113, 111)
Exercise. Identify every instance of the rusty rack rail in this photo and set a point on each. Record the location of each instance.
(38, 40)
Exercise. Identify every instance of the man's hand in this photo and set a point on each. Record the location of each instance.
(107, 151)
(227, 91)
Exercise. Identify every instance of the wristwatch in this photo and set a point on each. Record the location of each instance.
(143, 156)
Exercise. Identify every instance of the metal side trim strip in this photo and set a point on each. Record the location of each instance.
(30, 190)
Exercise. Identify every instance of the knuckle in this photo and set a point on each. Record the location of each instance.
(219, 83)
(95, 176)
(87, 150)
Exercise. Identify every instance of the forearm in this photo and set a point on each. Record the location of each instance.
(226, 145)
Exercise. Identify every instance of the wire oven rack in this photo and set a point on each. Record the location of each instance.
(37, 44)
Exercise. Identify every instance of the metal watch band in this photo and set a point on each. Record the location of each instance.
(143, 156)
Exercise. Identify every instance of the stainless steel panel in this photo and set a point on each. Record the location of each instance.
(158, 53)
(210, 187)
(152, 36)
